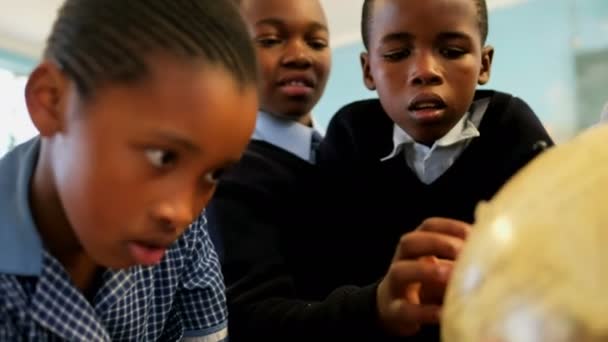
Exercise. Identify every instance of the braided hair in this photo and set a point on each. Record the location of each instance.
(103, 41)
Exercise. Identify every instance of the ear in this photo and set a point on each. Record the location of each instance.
(368, 79)
(487, 54)
(45, 96)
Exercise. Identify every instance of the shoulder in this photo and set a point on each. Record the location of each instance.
(359, 130)
(513, 118)
(506, 108)
(264, 168)
(512, 131)
(359, 114)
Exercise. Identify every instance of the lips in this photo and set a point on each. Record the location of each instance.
(147, 253)
(427, 107)
(304, 80)
(296, 85)
(428, 101)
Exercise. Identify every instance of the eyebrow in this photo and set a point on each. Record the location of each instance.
(397, 37)
(313, 26)
(454, 35)
(405, 36)
(176, 139)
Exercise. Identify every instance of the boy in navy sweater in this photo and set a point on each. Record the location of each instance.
(430, 146)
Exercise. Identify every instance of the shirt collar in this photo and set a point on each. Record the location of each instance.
(465, 129)
(289, 135)
(20, 244)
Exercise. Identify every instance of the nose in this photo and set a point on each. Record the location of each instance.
(297, 55)
(177, 212)
(424, 70)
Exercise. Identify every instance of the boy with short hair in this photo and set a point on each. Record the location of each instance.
(430, 146)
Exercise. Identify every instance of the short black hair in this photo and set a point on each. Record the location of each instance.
(103, 41)
(366, 20)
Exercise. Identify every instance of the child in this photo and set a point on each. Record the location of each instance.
(430, 146)
(261, 196)
(140, 105)
(263, 209)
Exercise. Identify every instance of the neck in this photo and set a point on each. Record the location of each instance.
(54, 228)
(305, 119)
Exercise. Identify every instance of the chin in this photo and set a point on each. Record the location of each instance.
(294, 114)
(115, 264)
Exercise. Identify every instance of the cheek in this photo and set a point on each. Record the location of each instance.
(99, 188)
(323, 67)
(465, 72)
(268, 63)
(390, 79)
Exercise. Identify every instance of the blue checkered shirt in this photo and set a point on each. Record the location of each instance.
(181, 298)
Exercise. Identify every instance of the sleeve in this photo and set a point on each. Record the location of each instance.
(263, 300)
(201, 301)
(9, 309)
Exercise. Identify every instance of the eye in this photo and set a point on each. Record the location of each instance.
(452, 53)
(268, 41)
(215, 176)
(318, 44)
(397, 55)
(160, 158)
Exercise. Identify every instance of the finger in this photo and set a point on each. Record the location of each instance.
(424, 243)
(404, 273)
(446, 226)
(421, 314)
(409, 317)
(432, 293)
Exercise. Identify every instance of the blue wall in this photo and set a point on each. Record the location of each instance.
(536, 43)
(16, 62)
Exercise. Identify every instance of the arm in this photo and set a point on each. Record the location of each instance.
(263, 297)
(200, 301)
(262, 294)
(12, 308)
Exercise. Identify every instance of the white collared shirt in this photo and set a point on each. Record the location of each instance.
(429, 163)
(289, 135)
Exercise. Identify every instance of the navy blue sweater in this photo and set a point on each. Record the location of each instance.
(304, 247)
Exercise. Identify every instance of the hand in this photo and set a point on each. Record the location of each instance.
(412, 290)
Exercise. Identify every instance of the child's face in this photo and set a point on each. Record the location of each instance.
(292, 44)
(136, 164)
(425, 59)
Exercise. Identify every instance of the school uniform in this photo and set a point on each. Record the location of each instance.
(182, 297)
(256, 206)
(387, 184)
(306, 248)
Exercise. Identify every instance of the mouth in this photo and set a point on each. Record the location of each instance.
(427, 106)
(297, 85)
(147, 253)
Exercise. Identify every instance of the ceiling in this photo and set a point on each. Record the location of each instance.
(24, 24)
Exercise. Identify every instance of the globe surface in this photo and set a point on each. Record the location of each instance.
(535, 268)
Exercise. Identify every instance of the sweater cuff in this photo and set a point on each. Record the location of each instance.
(368, 320)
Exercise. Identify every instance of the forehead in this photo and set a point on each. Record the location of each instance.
(423, 17)
(200, 102)
(286, 11)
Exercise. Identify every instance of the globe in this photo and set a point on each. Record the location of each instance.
(535, 268)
